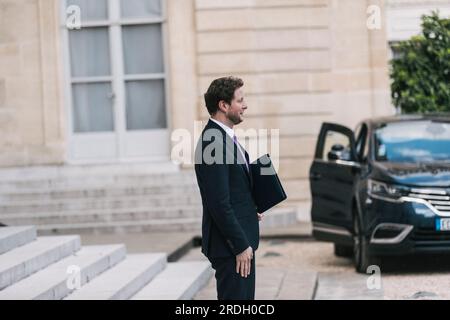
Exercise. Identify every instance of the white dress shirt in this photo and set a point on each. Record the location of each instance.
(231, 134)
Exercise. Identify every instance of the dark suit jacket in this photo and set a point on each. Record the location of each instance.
(230, 222)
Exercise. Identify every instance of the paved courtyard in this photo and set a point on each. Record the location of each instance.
(292, 263)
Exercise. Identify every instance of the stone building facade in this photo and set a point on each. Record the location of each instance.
(73, 96)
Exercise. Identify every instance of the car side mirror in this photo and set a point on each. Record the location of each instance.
(338, 152)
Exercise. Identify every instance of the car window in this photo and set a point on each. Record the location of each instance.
(413, 142)
(337, 143)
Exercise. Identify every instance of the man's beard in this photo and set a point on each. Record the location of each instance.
(234, 118)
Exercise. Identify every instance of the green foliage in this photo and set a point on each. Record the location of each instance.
(421, 74)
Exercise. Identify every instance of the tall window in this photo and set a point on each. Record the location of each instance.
(117, 72)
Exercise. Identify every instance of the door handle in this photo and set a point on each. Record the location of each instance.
(111, 95)
(315, 176)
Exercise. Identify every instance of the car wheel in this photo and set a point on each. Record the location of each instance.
(362, 257)
(343, 251)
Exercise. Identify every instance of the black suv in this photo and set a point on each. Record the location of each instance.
(383, 189)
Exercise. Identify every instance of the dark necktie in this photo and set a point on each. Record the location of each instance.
(239, 147)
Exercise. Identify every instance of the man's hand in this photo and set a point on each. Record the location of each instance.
(244, 262)
(260, 216)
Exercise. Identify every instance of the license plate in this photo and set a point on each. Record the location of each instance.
(443, 224)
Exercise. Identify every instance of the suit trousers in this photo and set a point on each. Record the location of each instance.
(231, 285)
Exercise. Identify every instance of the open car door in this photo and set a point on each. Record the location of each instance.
(332, 180)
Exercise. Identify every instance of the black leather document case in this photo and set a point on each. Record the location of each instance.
(267, 188)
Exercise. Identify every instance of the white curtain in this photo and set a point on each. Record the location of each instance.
(92, 107)
(142, 49)
(89, 52)
(142, 53)
(140, 8)
(145, 105)
(91, 9)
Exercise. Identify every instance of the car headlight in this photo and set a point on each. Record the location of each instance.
(382, 189)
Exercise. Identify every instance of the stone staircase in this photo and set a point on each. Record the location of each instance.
(114, 198)
(59, 267)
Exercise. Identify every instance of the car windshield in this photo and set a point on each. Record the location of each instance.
(413, 141)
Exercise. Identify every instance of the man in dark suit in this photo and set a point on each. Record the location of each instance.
(230, 228)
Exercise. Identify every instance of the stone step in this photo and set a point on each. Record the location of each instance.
(188, 219)
(96, 192)
(110, 203)
(96, 181)
(29, 258)
(85, 216)
(120, 227)
(179, 281)
(123, 280)
(13, 237)
(57, 280)
(116, 169)
(136, 209)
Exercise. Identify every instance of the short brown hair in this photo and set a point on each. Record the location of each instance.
(221, 89)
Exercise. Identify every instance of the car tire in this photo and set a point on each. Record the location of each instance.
(343, 251)
(361, 255)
